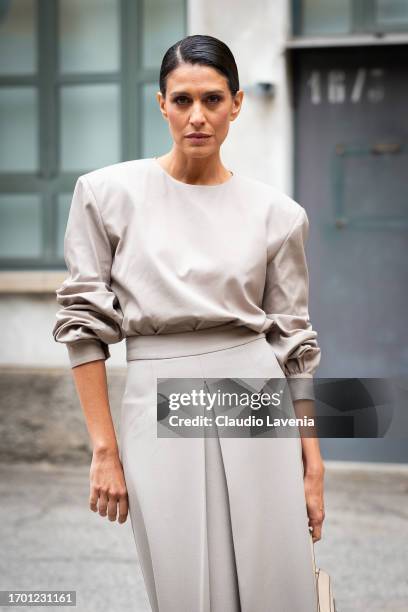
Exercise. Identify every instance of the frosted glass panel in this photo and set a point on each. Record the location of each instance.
(20, 225)
(18, 50)
(322, 17)
(392, 13)
(163, 25)
(63, 206)
(89, 35)
(90, 126)
(18, 129)
(156, 136)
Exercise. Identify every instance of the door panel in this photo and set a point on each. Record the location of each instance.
(352, 178)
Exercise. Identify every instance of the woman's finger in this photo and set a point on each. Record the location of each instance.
(103, 503)
(123, 508)
(317, 532)
(93, 499)
(316, 526)
(112, 506)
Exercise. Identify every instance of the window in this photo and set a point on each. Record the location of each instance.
(77, 91)
(319, 17)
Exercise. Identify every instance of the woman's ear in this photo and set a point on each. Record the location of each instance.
(162, 103)
(236, 104)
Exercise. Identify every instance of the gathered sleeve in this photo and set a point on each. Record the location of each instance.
(90, 316)
(285, 301)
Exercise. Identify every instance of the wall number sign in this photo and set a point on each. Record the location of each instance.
(339, 86)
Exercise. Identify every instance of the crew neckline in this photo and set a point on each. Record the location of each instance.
(155, 162)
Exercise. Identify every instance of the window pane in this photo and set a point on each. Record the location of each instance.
(322, 17)
(63, 206)
(163, 25)
(18, 49)
(18, 129)
(20, 225)
(90, 126)
(89, 35)
(156, 135)
(392, 13)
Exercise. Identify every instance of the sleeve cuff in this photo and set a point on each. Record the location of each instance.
(301, 386)
(83, 351)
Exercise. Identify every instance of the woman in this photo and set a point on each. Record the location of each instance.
(204, 272)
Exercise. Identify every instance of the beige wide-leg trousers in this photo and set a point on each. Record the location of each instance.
(220, 524)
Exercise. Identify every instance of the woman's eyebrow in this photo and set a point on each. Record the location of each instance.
(186, 93)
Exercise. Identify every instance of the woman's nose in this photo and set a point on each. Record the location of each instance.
(197, 115)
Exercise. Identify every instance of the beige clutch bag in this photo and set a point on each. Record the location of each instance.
(324, 586)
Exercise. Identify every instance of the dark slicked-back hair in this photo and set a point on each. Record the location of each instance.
(204, 50)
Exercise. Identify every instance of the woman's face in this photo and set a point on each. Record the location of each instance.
(198, 99)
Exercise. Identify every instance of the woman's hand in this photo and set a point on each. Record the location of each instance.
(107, 485)
(314, 481)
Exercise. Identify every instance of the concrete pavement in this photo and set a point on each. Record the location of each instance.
(51, 540)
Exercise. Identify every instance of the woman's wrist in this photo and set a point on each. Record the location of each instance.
(314, 467)
(105, 449)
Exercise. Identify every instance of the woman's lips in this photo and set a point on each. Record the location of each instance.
(198, 139)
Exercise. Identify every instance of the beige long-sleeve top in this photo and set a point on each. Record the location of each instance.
(148, 254)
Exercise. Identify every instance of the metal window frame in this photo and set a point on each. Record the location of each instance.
(362, 20)
(48, 182)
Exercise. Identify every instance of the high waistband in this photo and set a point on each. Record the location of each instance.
(181, 344)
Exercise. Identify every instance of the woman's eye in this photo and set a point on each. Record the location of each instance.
(184, 100)
(181, 100)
